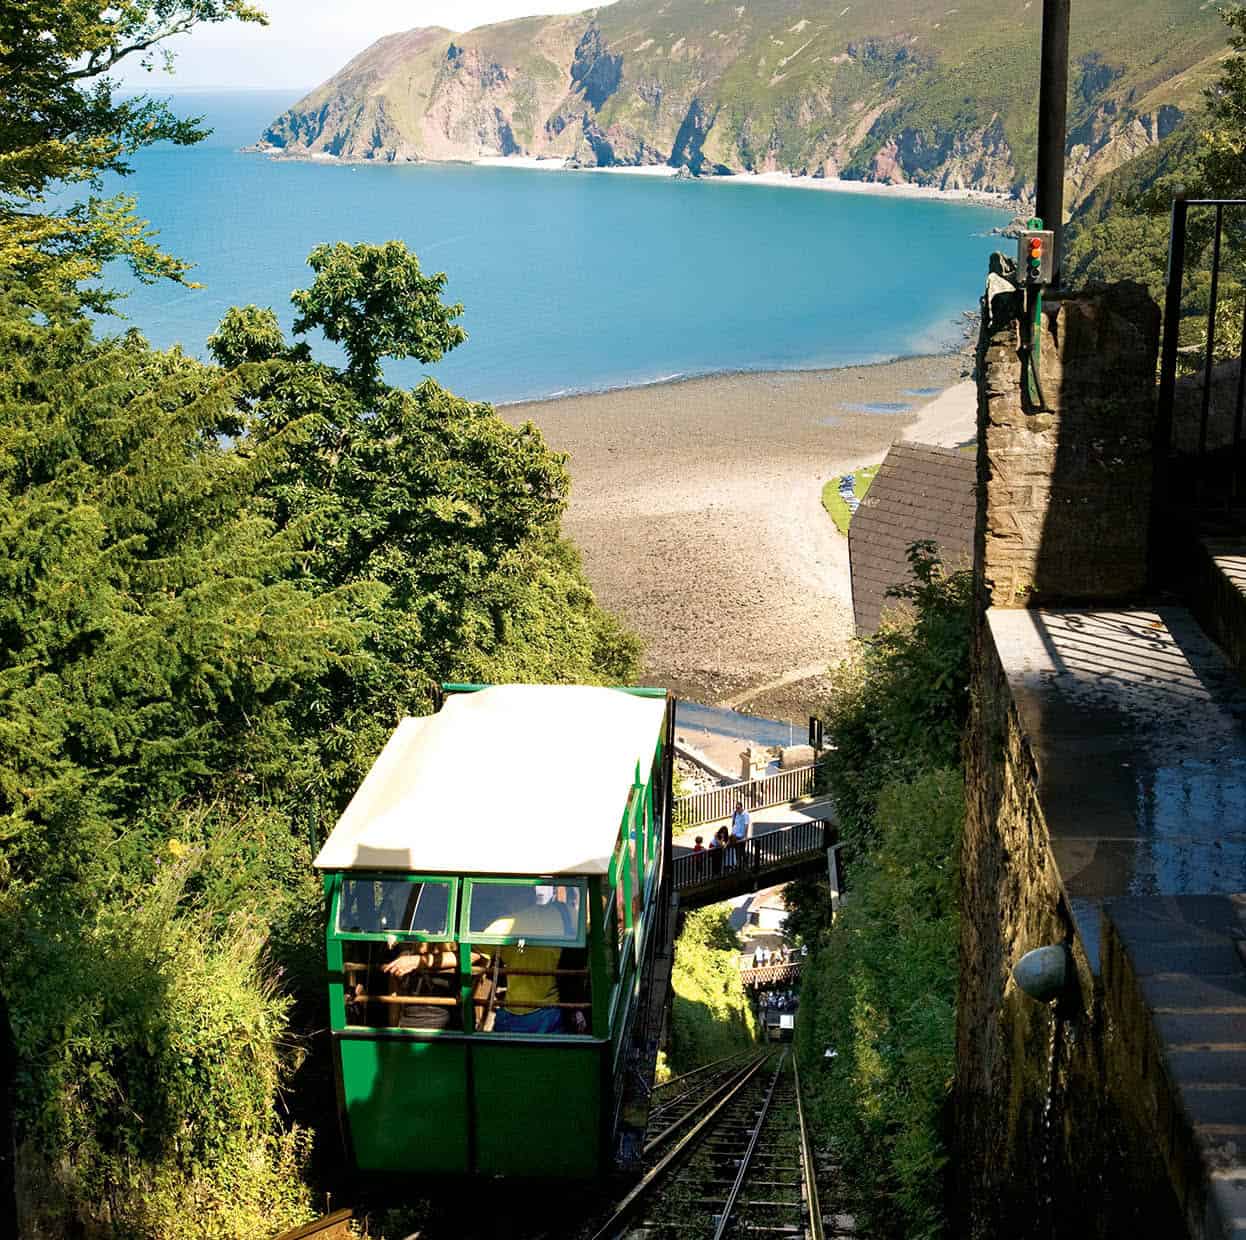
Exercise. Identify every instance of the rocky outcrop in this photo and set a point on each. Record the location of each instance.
(595, 71)
(1110, 137)
(885, 92)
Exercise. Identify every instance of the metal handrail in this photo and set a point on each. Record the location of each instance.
(788, 843)
(810, 1164)
(697, 808)
(1171, 347)
(770, 973)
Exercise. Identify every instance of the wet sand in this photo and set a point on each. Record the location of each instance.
(697, 507)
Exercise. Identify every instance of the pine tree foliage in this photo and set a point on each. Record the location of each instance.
(153, 625)
(61, 125)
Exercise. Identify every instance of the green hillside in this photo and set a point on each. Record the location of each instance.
(940, 94)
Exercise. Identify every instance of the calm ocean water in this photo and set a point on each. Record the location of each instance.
(570, 282)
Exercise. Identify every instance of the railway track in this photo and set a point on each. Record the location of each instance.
(335, 1226)
(728, 1156)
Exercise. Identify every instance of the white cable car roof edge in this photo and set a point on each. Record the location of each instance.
(510, 779)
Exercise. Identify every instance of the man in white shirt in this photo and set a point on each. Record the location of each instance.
(741, 828)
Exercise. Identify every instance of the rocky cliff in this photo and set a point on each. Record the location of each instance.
(938, 94)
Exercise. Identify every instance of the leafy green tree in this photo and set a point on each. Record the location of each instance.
(452, 509)
(60, 125)
(221, 584)
(376, 303)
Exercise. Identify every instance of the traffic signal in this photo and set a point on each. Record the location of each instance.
(1034, 257)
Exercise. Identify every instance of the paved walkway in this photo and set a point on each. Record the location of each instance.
(805, 811)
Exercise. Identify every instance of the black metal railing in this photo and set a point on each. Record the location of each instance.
(1200, 404)
(773, 850)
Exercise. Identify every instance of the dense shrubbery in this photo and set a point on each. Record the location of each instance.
(222, 585)
(880, 992)
(880, 987)
(151, 1043)
(898, 706)
(710, 1014)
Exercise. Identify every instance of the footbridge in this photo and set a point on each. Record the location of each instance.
(772, 976)
(775, 855)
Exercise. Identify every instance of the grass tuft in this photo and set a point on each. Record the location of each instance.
(833, 502)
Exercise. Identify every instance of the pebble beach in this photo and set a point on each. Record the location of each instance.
(697, 507)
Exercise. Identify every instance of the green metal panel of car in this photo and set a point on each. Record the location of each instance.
(404, 1103)
(537, 1109)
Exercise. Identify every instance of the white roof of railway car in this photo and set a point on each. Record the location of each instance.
(513, 779)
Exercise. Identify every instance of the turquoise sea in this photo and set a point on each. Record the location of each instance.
(570, 281)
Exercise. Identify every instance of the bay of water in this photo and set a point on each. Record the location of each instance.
(570, 281)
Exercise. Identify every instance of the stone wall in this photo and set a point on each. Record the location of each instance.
(1067, 480)
(1051, 1138)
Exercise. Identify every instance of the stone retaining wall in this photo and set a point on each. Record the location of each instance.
(1067, 485)
(1052, 1137)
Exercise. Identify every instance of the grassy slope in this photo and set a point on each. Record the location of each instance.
(835, 506)
(710, 1016)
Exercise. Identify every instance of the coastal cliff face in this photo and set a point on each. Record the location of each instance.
(897, 91)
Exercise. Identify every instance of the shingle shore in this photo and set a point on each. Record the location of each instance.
(697, 506)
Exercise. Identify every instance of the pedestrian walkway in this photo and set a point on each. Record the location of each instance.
(787, 851)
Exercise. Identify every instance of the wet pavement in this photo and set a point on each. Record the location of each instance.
(1137, 725)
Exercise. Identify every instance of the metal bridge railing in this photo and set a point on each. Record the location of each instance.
(716, 803)
(1199, 421)
(762, 852)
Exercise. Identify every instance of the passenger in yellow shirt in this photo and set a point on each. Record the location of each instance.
(531, 1003)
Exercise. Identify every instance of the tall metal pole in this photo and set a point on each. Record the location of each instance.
(1053, 103)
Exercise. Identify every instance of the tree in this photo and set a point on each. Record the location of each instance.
(153, 627)
(60, 125)
(452, 509)
(375, 302)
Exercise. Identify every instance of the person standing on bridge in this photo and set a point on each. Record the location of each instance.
(741, 830)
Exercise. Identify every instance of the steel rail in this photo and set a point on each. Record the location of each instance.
(731, 1083)
(724, 1219)
(705, 1067)
(333, 1226)
(809, 1165)
(737, 1062)
(627, 1206)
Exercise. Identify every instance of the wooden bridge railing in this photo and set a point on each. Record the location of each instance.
(767, 975)
(773, 850)
(779, 789)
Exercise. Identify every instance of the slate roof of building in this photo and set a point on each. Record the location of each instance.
(919, 492)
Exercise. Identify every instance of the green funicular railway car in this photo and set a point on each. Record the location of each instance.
(490, 892)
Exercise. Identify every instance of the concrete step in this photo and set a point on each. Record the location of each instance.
(1217, 594)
